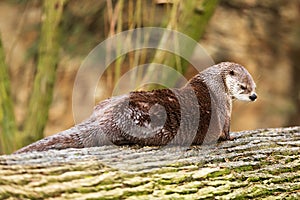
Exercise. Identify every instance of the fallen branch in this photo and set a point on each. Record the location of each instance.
(257, 164)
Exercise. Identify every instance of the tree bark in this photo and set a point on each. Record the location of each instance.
(41, 96)
(257, 164)
(8, 125)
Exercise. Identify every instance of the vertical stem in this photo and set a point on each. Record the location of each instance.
(108, 47)
(120, 59)
(115, 19)
(42, 93)
(8, 125)
(136, 57)
(192, 20)
(131, 25)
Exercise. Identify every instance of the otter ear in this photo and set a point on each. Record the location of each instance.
(231, 72)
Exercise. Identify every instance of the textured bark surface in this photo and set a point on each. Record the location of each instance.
(257, 164)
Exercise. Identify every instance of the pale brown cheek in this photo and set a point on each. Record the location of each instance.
(250, 90)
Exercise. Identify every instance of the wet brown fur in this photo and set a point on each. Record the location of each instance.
(118, 120)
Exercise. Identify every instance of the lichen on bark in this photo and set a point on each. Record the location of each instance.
(257, 164)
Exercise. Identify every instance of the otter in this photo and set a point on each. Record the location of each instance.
(195, 114)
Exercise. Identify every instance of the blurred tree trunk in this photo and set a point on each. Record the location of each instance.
(295, 86)
(42, 92)
(189, 18)
(8, 125)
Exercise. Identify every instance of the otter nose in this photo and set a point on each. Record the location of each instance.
(253, 97)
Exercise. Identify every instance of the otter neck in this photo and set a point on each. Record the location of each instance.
(214, 79)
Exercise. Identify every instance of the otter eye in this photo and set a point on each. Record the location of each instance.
(243, 87)
(231, 72)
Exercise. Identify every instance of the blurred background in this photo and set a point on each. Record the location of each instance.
(264, 36)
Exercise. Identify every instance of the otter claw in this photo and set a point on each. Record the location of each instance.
(232, 138)
(224, 138)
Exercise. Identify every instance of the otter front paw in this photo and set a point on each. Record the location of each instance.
(232, 138)
(225, 136)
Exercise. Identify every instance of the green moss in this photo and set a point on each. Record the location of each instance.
(134, 182)
(254, 179)
(188, 191)
(277, 171)
(221, 192)
(5, 195)
(295, 187)
(256, 192)
(281, 180)
(219, 173)
(260, 192)
(162, 171)
(169, 192)
(136, 193)
(164, 182)
(264, 163)
(244, 168)
(290, 159)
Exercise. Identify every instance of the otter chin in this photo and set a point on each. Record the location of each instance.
(198, 113)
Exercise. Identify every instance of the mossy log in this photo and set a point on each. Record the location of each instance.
(257, 164)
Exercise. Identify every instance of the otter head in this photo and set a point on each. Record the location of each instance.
(239, 82)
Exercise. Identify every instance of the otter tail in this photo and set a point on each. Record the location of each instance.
(66, 139)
